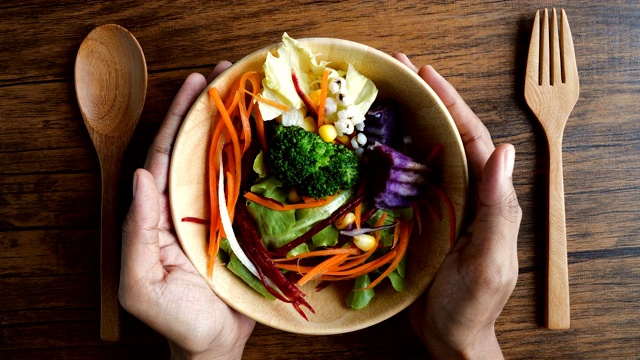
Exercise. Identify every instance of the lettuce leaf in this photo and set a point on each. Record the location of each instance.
(278, 228)
(278, 84)
(272, 224)
(358, 299)
(362, 89)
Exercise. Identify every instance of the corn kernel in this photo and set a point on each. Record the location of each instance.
(315, 97)
(293, 196)
(344, 221)
(309, 124)
(344, 140)
(364, 242)
(327, 132)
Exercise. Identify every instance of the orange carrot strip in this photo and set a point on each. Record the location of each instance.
(358, 210)
(275, 104)
(379, 223)
(358, 213)
(276, 205)
(230, 192)
(325, 252)
(242, 106)
(323, 96)
(357, 260)
(213, 93)
(322, 268)
(360, 270)
(260, 129)
(405, 233)
(294, 267)
(232, 100)
(396, 235)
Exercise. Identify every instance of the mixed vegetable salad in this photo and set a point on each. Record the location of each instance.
(310, 180)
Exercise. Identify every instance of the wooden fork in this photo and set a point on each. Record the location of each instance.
(551, 90)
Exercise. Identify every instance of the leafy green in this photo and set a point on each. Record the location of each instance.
(235, 266)
(272, 224)
(326, 237)
(397, 275)
(278, 84)
(278, 228)
(258, 165)
(362, 89)
(357, 298)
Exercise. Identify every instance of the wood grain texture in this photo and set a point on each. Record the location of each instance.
(50, 182)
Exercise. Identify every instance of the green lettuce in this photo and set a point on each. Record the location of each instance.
(357, 298)
(278, 228)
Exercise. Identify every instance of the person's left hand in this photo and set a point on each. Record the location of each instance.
(158, 283)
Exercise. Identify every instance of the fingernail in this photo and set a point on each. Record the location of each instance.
(509, 160)
(135, 183)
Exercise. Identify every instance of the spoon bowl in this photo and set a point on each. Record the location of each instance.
(111, 85)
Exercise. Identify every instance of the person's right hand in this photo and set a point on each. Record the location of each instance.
(158, 283)
(479, 274)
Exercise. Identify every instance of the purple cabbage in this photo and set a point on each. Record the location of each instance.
(382, 124)
(395, 179)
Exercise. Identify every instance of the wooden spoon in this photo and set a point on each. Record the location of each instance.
(111, 84)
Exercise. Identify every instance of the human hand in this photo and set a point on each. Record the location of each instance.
(479, 274)
(158, 283)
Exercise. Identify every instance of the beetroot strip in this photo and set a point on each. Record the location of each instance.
(305, 98)
(254, 248)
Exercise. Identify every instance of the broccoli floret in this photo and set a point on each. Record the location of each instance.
(315, 168)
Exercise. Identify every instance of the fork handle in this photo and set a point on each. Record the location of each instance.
(557, 311)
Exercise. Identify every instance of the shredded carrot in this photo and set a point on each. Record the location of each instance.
(323, 96)
(275, 104)
(260, 129)
(245, 112)
(322, 268)
(360, 270)
(276, 205)
(379, 223)
(324, 252)
(358, 210)
(357, 260)
(396, 235)
(231, 132)
(405, 233)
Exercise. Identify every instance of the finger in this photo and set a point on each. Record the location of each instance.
(475, 136)
(140, 233)
(159, 154)
(498, 214)
(405, 60)
(218, 69)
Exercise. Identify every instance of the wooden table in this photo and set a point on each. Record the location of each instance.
(50, 179)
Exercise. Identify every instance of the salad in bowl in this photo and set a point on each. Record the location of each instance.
(317, 184)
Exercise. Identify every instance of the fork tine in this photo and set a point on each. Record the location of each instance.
(568, 52)
(533, 60)
(544, 49)
(557, 73)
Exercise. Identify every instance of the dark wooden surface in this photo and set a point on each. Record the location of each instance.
(50, 179)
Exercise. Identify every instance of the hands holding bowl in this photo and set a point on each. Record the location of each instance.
(161, 286)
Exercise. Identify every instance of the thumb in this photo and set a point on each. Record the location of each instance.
(498, 213)
(140, 234)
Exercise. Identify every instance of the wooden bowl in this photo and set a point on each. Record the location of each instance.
(428, 122)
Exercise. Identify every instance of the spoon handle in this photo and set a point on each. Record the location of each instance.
(110, 244)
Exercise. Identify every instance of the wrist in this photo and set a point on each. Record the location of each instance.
(232, 353)
(481, 345)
